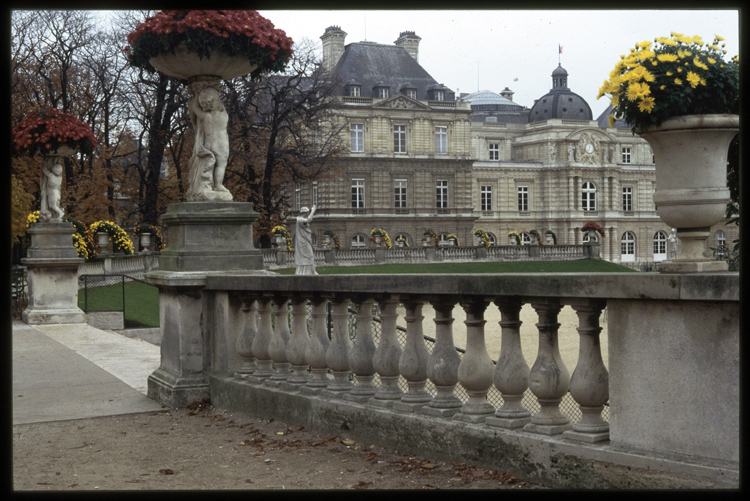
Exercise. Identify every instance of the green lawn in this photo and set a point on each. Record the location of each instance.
(578, 266)
(141, 302)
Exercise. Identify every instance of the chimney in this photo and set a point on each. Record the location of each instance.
(333, 46)
(507, 94)
(409, 41)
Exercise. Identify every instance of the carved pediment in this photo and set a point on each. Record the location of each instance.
(402, 102)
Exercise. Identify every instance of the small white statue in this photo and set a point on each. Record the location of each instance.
(672, 244)
(211, 151)
(605, 154)
(571, 153)
(51, 185)
(304, 259)
(552, 152)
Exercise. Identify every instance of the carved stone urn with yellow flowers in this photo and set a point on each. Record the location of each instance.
(681, 96)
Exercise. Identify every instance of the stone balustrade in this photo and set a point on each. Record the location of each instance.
(133, 265)
(671, 386)
(282, 258)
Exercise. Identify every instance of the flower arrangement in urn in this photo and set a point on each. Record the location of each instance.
(153, 230)
(283, 232)
(454, 238)
(483, 237)
(515, 235)
(120, 239)
(431, 234)
(672, 76)
(334, 237)
(591, 225)
(50, 130)
(537, 236)
(235, 33)
(379, 232)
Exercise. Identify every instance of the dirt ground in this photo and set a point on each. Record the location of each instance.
(205, 448)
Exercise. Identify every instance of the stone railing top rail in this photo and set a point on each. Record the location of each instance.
(685, 287)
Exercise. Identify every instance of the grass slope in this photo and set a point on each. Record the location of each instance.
(141, 302)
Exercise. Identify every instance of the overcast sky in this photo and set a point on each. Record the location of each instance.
(470, 50)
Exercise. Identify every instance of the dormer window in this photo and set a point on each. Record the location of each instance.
(383, 92)
(439, 95)
(354, 91)
(412, 93)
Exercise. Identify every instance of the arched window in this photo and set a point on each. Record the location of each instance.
(401, 236)
(588, 196)
(660, 246)
(627, 247)
(525, 238)
(358, 242)
(492, 238)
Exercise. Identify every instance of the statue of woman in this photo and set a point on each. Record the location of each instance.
(304, 259)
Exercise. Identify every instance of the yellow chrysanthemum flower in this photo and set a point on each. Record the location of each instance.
(611, 121)
(711, 60)
(669, 73)
(666, 58)
(675, 34)
(615, 100)
(638, 90)
(646, 104)
(693, 79)
(662, 87)
(697, 40)
(670, 42)
(678, 81)
(700, 64)
(685, 39)
(718, 37)
(703, 81)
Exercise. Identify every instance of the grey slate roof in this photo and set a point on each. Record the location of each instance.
(370, 64)
(603, 120)
(560, 101)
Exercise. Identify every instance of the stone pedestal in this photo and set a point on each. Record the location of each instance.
(52, 271)
(204, 237)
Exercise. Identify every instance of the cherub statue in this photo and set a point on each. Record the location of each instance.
(51, 184)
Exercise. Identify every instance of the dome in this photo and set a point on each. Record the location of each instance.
(487, 97)
(560, 101)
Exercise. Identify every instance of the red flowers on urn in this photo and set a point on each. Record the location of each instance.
(48, 130)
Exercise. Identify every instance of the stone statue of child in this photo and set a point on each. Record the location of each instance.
(51, 185)
(211, 150)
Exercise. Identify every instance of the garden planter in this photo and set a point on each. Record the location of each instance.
(102, 240)
(145, 241)
(280, 242)
(185, 65)
(691, 193)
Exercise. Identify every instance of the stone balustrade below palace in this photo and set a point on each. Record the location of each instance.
(282, 258)
(305, 350)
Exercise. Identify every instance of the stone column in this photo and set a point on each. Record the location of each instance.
(315, 354)
(262, 341)
(297, 346)
(511, 374)
(279, 341)
(362, 353)
(413, 362)
(244, 344)
(548, 378)
(52, 273)
(475, 369)
(387, 356)
(337, 354)
(442, 366)
(589, 384)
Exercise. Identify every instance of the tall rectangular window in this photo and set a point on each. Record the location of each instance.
(439, 95)
(383, 92)
(441, 140)
(358, 137)
(441, 194)
(354, 91)
(315, 193)
(297, 196)
(627, 199)
(412, 93)
(523, 199)
(358, 193)
(399, 138)
(626, 155)
(485, 198)
(400, 193)
(494, 151)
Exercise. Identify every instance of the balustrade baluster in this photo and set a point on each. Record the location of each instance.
(337, 354)
(549, 378)
(475, 369)
(279, 341)
(589, 384)
(387, 356)
(297, 346)
(511, 374)
(413, 362)
(442, 366)
(261, 342)
(244, 343)
(315, 354)
(361, 354)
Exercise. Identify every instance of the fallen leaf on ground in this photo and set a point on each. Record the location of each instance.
(348, 442)
(361, 485)
(370, 457)
(166, 471)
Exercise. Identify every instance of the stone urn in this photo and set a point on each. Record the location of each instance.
(145, 241)
(102, 240)
(280, 242)
(548, 239)
(185, 65)
(378, 239)
(513, 241)
(691, 193)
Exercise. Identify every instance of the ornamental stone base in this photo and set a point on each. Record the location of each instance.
(52, 272)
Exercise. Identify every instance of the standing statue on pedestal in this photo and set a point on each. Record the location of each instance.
(304, 259)
(672, 244)
(571, 153)
(51, 185)
(211, 151)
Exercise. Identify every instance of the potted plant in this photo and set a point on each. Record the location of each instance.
(681, 96)
(453, 239)
(402, 242)
(282, 237)
(515, 238)
(537, 236)
(203, 47)
(378, 235)
(550, 237)
(52, 133)
(591, 229)
(482, 238)
(334, 237)
(430, 237)
(145, 232)
(120, 240)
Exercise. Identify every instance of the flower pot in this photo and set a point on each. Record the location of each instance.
(102, 240)
(145, 241)
(185, 64)
(691, 193)
(280, 242)
(378, 239)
